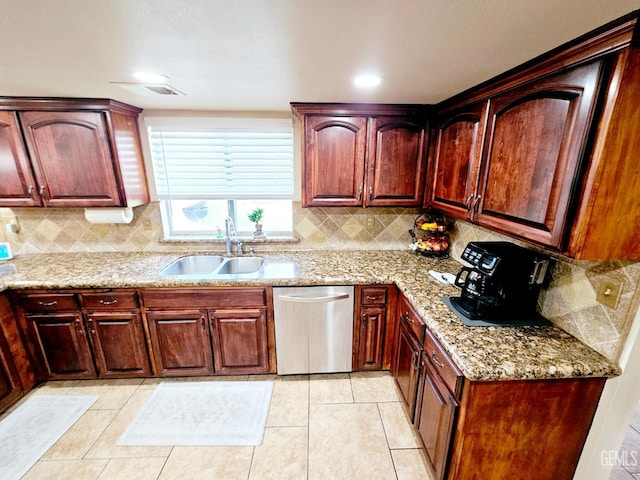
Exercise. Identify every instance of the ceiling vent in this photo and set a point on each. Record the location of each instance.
(151, 89)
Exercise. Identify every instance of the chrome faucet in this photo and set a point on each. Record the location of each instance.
(231, 237)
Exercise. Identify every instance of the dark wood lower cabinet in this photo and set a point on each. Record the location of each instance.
(10, 385)
(434, 416)
(240, 341)
(181, 343)
(407, 366)
(63, 345)
(119, 344)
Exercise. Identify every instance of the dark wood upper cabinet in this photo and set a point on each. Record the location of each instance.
(395, 171)
(534, 146)
(17, 185)
(70, 153)
(357, 155)
(547, 152)
(456, 158)
(512, 163)
(334, 161)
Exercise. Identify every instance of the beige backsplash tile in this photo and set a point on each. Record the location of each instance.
(569, 301)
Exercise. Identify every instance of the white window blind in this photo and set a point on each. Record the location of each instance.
(241, 161)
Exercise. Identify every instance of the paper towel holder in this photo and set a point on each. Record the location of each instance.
(108, 215)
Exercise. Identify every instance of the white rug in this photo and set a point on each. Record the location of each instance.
(202, 413)
(29, 431)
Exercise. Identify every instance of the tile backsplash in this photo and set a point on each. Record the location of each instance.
(570, 301)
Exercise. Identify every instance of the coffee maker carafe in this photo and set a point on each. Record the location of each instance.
(503, 282)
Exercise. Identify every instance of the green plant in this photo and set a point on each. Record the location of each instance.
(256, 215)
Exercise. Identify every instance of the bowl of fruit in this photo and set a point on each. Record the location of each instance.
(430, 235)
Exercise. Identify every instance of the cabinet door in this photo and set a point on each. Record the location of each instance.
(72, 159)
(434, 417)
(334, 161)
(63, 345)
(180, 341)
(10, 387)
(453, 175)
(119, 345)
(535, 142)
(240, 341)
(396, 162)
(407, 366)
(370, 331)
(17, 188)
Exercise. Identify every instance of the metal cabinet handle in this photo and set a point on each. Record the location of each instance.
(363, 324)
(415, 360)
(374, 297)
(475, 203)
(467, 203)
(48, 304)
(360, 193)
(435, 360)
(370, 193)
(109, 302)
(30, 191)
(41, 191)
(408, 318)
(202, 323)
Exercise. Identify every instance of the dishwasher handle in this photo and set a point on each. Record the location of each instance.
(320, 299)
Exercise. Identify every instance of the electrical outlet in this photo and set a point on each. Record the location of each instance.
(146, 225)
(370, 222)
(608, 292)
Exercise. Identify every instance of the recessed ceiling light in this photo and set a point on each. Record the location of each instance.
(367, 80)
(150, 77)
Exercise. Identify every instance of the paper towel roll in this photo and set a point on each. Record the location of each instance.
(108, 215)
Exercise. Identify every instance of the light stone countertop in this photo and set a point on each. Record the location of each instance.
(481, 353)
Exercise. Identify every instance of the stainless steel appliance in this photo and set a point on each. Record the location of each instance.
(314, 329)
(502, 284)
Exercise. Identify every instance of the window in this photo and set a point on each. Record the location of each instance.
(209, 169)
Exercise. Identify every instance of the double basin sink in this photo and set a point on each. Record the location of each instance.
(213, 266)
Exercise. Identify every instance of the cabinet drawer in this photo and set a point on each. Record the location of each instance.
(373, 296)
(442, 363)
(412, 319)
(110, 301)
(188, 298)
(49, 302)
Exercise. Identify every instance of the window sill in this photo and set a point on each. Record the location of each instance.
(221, 241)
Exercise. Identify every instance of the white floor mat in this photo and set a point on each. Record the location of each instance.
(29, 431)
(202, 413)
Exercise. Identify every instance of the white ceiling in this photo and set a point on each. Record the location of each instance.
(259, 55)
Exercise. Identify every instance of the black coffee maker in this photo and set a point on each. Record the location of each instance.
(503, 282)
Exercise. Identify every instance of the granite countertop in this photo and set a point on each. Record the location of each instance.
(481, 353)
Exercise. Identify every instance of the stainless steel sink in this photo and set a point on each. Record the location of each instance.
(193, 265)
(240, 265)
(212, 266)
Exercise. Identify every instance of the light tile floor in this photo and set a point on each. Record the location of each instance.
(629, 453)
(320, 427)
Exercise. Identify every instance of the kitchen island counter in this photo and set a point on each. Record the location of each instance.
(481, 353)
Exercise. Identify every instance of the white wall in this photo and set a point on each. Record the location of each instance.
(617, 404)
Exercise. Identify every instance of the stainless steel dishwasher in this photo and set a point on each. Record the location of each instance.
(314, 329)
